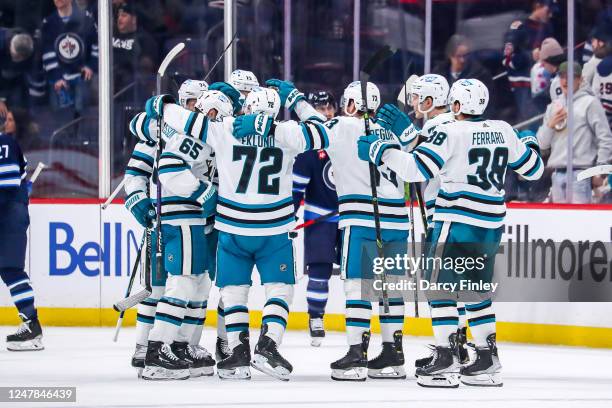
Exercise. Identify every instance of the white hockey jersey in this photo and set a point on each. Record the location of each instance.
(255, 173)
(471, 158)
(602, 85)
(186, 166)
(352, 176)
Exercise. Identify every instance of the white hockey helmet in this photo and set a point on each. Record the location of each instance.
(431, 86)
(191, 89)
(472, 95)
(262, 100)
(353, 93)
(242, 80)
(214, 100)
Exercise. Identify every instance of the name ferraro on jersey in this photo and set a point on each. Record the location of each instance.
(485, 138)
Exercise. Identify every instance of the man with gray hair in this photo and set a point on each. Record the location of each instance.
(592, 139)
(16, 49)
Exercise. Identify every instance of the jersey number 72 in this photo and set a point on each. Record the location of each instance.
(249, 154)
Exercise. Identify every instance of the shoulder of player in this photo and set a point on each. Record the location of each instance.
(604, 68)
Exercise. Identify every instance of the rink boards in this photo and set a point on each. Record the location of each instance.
(79, 259)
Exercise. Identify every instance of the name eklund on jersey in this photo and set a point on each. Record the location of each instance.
(259, 141)
(481, 138)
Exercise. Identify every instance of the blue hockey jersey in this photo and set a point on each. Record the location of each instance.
(13, 183)
(313, 181)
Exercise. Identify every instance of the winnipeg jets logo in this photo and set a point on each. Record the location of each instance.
(69, 47)
(328, 176)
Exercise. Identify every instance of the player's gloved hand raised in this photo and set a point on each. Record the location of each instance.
(154, 107)
(528, 137)
(391, 118)
(289, 95)
(370, 148)
(141, 208)
(229, 91)
(253, 124)
(206, 195)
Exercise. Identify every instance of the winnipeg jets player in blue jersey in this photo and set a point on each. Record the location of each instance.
(356, 219)
(470, 156)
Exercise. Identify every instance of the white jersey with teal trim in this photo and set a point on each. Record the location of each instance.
(433, 185)
(352, 176)
(471, 158)
(255, 174)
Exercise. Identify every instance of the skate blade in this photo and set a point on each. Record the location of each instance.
(238, 373)
(388, 373)
(316, 341)
(260, 363)
(352, 374)
(201, 371)
(139, 372)
(28, 345)
(448, 380)
(483, 380)
(161, 374)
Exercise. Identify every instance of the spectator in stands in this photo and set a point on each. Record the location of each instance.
(70, 54)
(602, 77)
(19, 124)
(16, 48)
(134, 50)
(544, 80)
(459, 64)
(592, 138)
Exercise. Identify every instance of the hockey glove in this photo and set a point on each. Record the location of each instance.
(370, 148)
(391, 118)
(206, 195)
(155, 105)
(254, 124)
(289, 95)
(530, 140)
(141, 208)
(229, 91)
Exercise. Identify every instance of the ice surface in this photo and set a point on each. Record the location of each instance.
(534, 376)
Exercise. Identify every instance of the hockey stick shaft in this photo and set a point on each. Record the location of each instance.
(129, 288)
(221, 56)
(415, 273)
(113, 195)
(316, 220)
(603, 169)
(364, 77)
(39, 168)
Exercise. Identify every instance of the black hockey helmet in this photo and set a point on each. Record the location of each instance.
(321, 98)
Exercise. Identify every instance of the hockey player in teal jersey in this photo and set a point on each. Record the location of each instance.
(356, 217)
(470, 156)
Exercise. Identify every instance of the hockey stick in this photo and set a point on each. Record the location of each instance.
(39, 168)
(316, 220)
(118, 306)
(364, 76)
(603, 169)
(113, 195)
(221, 56)
(160, 123)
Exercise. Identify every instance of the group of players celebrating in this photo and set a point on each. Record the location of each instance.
(228, 203)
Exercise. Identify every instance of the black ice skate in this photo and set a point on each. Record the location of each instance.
(485, 371)
(236, 365)
(27, 338)
(317, 332)
(390, 362)
(461, 350)
(422, 362)
(353, 366)
(162, 364)
(199, 359)
(268, 360)
(443, 370)
(138, 358)
(222, 350)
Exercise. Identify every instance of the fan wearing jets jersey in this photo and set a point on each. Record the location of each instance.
(470, 156)
(139, 188)
(428, 97)
(254, 215)
(356, 219)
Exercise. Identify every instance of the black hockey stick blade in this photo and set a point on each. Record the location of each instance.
(376, 59)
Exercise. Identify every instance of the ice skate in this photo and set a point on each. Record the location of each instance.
(28, 337)
(222, 350)
(236, 365)
(200, 361)
(353, 366)
(389, 364)
(485, 371)
(138, 358)
(162, 364)
(443, 370)
(317, 332)
(268, 360)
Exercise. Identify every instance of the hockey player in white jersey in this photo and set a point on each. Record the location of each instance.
(139, 189)
(244, 81)
(254, 215)
(471, 156)
(357, 221)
